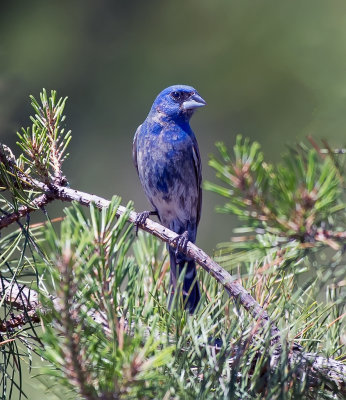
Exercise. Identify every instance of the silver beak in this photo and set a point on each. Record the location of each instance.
(193, 102)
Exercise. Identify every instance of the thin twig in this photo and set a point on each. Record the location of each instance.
(19, 320)
(23, 211)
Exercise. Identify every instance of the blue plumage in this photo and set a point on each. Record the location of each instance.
(166, 155)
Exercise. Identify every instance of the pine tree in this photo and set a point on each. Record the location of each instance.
(90, 298)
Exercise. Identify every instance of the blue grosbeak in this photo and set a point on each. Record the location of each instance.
(166, 155)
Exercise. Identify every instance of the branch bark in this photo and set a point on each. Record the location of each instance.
(39, 202)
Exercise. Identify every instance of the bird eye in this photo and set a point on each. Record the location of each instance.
(175, 95)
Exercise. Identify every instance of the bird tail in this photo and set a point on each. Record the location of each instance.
(191, 291)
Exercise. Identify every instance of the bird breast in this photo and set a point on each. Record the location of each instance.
(167, 173)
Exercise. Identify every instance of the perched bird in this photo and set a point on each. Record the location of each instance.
(166, 155)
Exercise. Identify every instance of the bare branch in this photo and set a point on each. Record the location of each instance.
(19, 296)
(19, 320)
(23, 211)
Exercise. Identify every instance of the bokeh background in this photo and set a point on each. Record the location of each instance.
(274, 71)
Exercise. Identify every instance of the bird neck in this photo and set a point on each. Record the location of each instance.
(160, 117)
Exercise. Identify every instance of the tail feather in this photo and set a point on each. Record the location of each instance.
(191, 291)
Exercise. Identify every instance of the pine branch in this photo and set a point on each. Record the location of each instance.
(58, 192)
(17, 321)
(75, 366)
(233, 288)
(24, 298)
(41, 175)
(23, 211)
(295, 200)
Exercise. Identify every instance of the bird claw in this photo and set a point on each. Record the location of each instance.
(181, 242)
(142, 217)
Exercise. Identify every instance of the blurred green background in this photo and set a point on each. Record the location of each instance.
(274, 71)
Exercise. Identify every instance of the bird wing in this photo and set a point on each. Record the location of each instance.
(134, 148)
(198, 171)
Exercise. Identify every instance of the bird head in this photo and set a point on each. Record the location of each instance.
(178, 101)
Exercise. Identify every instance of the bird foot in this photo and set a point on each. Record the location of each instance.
(142, 217)
(180, 242)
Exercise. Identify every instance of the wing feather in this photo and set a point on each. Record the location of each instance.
(198, 171)
(134, 147)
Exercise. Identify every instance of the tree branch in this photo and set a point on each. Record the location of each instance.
(54, 191)
(19, 320)
(233, 288)
(22, 211)
(23, 298)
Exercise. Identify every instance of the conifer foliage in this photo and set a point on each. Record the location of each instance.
(90, 298)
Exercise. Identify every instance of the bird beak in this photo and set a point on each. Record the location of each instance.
(193, 102)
